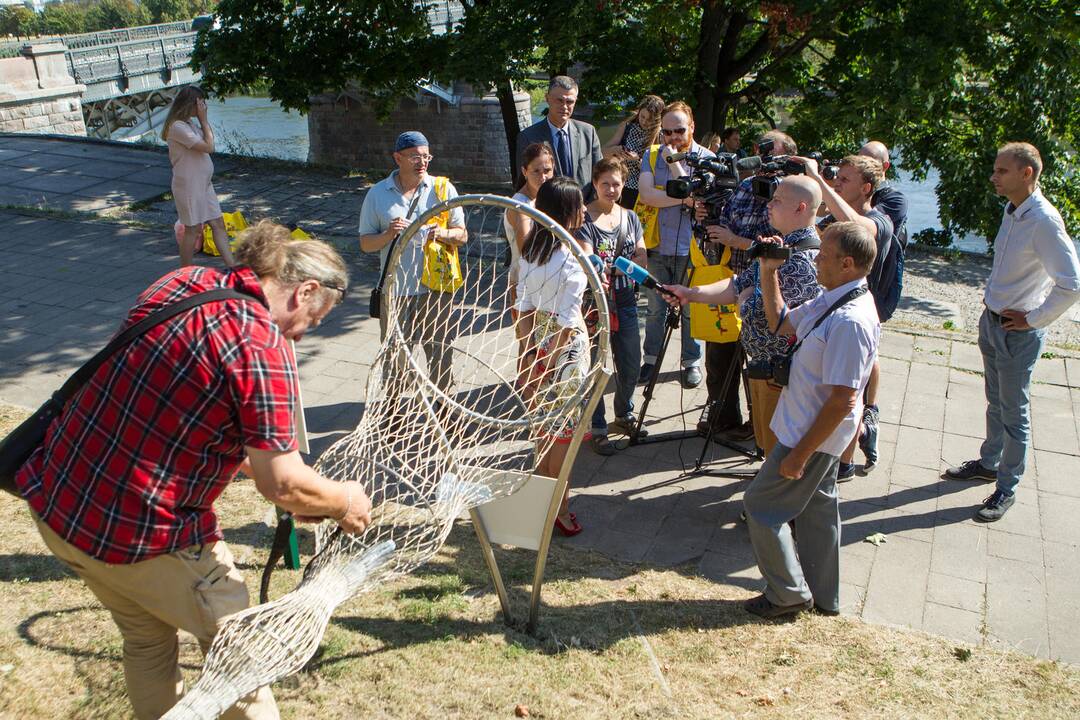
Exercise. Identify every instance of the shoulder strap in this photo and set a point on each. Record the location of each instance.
(440, 187)
(80, 377)
(393, 243)
(844, 300)
(654, 153)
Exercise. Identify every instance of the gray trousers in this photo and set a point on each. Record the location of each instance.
(806, 566)
(426, 321)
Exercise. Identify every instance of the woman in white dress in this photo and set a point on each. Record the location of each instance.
(551, 328)
(190, 146)
(538, 167)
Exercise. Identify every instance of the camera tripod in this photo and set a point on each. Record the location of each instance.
(732, 375)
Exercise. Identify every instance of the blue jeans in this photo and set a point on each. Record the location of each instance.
(1008, 360)
(626, 352)
(668, 269)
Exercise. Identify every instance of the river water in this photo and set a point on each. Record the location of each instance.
(258, 126)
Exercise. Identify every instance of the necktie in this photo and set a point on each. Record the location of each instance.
(562, 149)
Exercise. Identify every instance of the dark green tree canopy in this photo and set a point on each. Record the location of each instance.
(947, 81)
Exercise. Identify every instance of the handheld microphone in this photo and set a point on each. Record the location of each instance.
(640, 275)
(676, 157)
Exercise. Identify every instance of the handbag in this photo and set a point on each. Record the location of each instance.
(375, 301)
(442, 267)
(20, 444)
(649, 215)
(712, 323)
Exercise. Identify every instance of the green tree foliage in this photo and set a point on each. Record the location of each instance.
(163, 11)
(109, 14)
(63, 18)
(17, 20)
(383, 46)
(946, 80)
(949, 82)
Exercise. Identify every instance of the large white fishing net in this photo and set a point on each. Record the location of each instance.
(454, 418)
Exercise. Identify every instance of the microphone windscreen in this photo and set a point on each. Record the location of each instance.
(632, 270)
(749, 163)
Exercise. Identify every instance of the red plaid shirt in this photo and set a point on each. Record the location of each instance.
(131, 468)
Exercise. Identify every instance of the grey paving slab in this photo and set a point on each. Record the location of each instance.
(1016, 607)
(952, 591)
(897, 591)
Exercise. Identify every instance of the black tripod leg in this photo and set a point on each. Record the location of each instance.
(670, 325)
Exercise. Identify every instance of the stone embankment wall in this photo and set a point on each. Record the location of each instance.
(467, 140)
(37, 95)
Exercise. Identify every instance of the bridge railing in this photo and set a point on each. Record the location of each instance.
(121, 60)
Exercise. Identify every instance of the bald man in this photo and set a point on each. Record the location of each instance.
(792, 211)
(887, 198)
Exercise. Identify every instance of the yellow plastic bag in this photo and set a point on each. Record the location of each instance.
(647, 214)
(234, 225)
(713, 323)
(442, 267)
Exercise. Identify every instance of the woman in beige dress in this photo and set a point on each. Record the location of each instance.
(190, 145)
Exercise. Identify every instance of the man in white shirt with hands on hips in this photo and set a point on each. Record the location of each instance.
(816, 417)
(1035, 279)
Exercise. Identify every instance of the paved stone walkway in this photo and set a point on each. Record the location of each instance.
(1010, 584)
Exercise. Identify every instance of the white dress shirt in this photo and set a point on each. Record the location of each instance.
(1035, 264)
(841, 351)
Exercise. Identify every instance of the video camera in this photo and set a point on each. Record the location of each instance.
(712, 180)
(773, 167)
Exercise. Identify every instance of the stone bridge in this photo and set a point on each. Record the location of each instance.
(121, 82)
(118, 84)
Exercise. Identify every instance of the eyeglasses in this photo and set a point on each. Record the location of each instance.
(673, 131)
(339, 288)
(421, 159)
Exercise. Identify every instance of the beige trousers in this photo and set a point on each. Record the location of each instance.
(764, 395)
(191, 589)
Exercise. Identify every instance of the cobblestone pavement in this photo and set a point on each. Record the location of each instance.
(1010, 584)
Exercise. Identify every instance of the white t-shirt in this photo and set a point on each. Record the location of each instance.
(556, 287)
(841, 351)
(515, 254)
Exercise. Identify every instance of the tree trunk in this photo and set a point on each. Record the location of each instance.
(504, 90)
(713, 19)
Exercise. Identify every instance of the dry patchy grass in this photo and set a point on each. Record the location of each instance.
(434, 645)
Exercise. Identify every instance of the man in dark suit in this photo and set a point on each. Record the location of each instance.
(576, 144)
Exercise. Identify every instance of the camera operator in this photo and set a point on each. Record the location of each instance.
(856, 180)
(792, 212)
(671, 262)
(743, 220)
(815, 419)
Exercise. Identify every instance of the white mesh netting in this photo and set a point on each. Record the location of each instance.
(454, 418)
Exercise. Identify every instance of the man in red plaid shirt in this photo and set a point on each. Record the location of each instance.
(123, 488)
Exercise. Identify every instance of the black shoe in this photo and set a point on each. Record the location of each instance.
(971, 470)
(602, 446)
(995, 507)
(761, 607)
(645, 375)
(822, 611)
(691, 377)
(868, 437)
(846, 472)
(626, 425)
(740, 432)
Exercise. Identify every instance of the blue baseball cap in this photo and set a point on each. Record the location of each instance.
(409, 139)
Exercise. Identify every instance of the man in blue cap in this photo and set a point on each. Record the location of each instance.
(389, 207)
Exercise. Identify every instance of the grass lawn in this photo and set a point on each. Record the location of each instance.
(615, 641)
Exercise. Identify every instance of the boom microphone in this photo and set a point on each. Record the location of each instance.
(752, 163)
(640, 275)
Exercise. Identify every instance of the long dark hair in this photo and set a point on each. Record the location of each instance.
(560, 198)
(532, 152)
